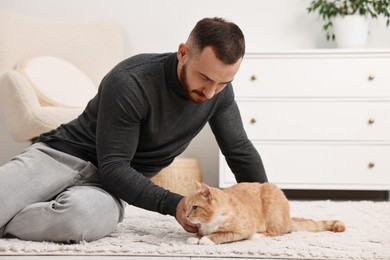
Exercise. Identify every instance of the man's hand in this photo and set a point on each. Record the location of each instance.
(182, 218)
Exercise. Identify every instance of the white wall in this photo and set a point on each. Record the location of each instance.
(159, 26)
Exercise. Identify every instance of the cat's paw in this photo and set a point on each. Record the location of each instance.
(206, 241)
(193, 241)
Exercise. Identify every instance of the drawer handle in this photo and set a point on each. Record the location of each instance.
(371, 121)
(371, 77)
(371, 165)
(253, 78)
(253, 121)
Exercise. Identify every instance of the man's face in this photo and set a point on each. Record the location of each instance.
(203, 75)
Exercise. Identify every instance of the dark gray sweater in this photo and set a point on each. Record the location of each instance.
(140, 120)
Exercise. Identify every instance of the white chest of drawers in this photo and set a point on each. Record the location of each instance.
(320, 119)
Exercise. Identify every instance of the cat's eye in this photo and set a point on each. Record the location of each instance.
(194, 207)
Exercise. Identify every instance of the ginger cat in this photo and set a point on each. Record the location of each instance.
(241, 211)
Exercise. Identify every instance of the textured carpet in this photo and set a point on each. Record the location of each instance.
(150, 234)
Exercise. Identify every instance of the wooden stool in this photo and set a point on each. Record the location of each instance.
(179, 176)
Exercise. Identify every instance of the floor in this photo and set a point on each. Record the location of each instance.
(112, 258)
(375, 196)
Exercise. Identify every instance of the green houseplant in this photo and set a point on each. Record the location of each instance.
(329, 10)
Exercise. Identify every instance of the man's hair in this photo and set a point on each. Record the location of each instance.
(225, 38)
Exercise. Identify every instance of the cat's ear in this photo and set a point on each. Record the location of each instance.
(206, 191)
(198, 186)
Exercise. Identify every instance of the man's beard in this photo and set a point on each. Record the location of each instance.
(186, 87)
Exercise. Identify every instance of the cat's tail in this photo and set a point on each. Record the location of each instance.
(302, 224)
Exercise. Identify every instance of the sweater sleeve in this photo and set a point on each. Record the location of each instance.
(122, 108)
(240, 154)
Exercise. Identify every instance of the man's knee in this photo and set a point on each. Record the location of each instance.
(86, 213)
(77, 214)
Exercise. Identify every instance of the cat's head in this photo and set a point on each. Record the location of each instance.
(204, 204)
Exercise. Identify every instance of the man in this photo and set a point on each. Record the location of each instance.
(72, 184)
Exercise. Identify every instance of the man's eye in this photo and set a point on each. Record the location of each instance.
(204, 78)
(194, 207)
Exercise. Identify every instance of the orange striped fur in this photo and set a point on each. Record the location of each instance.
(241, 211)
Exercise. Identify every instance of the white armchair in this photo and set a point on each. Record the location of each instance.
(94, 47)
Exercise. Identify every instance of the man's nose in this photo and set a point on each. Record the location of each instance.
(209, 91)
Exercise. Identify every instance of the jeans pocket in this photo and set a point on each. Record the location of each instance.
(87, 175)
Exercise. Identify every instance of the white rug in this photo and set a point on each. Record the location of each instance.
(150, 234)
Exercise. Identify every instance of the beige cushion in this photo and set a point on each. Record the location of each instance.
(57, 82)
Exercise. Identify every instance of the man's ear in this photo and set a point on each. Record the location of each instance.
(182, 51)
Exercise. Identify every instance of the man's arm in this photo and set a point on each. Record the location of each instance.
(241, 156)
(121, 111)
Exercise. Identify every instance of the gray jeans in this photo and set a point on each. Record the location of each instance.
(47, 195)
